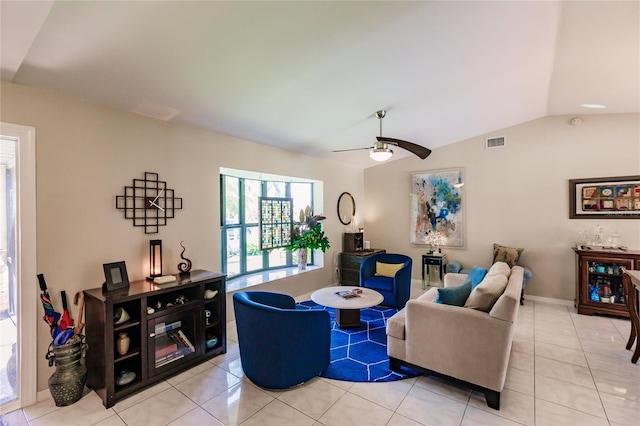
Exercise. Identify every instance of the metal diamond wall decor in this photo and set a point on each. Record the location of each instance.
(149, 203)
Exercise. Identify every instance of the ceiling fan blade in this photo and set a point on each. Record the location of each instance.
(418, 150)
(354, 149)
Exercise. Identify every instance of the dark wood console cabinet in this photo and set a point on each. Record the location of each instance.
(165, 340)
(599, 280)
(350, 265)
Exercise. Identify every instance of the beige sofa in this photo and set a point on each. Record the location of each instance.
(466, 345)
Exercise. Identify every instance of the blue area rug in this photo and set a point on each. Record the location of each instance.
(360, 354)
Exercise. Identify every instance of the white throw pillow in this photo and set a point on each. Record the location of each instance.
(485, 295)
(500, 268)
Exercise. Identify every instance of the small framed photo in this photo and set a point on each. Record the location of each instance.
(115, 276)
(605, 198)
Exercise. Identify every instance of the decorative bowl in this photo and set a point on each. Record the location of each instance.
(212, 342)
(120, 316)
(125, 377)
(210, 294)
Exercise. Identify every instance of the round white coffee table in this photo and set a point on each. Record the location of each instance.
(347, 310)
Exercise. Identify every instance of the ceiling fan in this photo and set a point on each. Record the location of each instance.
(380, 150)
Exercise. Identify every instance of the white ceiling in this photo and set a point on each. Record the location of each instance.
(309, 76)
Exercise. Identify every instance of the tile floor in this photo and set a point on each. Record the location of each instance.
(565, 369)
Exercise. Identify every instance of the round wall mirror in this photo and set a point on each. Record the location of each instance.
(346, 208)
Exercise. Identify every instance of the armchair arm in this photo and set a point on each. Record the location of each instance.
(403, 273)
(367, 269)
(402, 284)
(277, 300)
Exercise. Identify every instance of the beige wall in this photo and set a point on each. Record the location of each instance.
(515, 196)
(86, 154)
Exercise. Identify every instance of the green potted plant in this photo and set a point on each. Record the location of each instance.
(308, 235)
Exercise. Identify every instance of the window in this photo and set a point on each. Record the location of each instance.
(240, 212)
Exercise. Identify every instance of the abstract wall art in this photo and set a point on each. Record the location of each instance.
(437, 206)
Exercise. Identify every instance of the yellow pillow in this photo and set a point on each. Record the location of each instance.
(388, 269)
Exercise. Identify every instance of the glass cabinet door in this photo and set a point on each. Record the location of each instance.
(604, 280)
(172, 338)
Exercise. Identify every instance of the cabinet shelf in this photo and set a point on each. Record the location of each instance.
(126, 325)
(132, 352)
(212, 325)
(178, 344)
(604, 274)
(174, 308)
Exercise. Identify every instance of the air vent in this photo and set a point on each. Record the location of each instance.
(497, 142)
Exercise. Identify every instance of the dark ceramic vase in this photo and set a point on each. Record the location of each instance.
(67, 382)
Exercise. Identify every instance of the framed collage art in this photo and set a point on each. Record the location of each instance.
(605, 198)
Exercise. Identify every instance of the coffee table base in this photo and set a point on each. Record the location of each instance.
(348, 318)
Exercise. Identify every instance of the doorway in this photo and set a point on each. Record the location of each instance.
(18, 292)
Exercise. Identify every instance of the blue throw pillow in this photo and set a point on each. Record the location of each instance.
(476, 275)
(456, 295)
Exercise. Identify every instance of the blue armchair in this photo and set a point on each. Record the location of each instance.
(280, 346)
(396, 289)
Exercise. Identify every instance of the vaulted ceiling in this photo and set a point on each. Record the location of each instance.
(308, 76)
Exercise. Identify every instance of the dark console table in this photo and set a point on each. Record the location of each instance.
(171, 328)
(350, 265)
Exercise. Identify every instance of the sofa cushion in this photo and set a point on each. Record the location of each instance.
(506, 307)
(379, 283)
(476, 275)
(499, 268)
(388, 269)
(509, 255)
(456, 295)
(485, 295)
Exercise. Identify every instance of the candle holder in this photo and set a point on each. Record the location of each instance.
(155, 259)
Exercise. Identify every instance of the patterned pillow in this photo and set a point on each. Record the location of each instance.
(508, 255)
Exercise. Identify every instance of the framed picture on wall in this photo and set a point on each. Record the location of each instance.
(605, 198)
(438, 209)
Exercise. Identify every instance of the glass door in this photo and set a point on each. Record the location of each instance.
(18, 294)
(8, 262)
(605, 282)
(172, 338)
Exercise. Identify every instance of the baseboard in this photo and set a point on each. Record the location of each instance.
(43, 394)
(549, 300)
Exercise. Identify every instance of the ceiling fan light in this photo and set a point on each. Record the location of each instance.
(380, 154)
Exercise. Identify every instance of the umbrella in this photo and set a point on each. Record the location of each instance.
(51, 317)
(66, 321)
(79, 296)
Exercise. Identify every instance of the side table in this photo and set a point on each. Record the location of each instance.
(438, 260)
